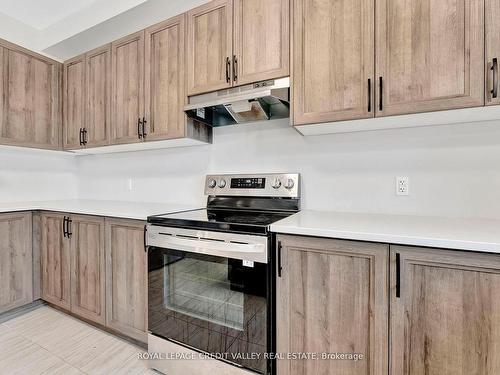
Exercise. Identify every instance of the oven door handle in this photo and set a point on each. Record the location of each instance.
(210, 247)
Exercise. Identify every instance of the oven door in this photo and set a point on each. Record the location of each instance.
(211, 303)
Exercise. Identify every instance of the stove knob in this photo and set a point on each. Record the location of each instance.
(276, 184)
(212, 183)
(289, 184)
(222, 184)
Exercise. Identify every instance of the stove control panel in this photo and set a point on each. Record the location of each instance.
(286, 185)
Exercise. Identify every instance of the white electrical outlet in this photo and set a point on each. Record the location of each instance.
(402, 186)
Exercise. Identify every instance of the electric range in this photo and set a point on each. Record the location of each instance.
(211, 276)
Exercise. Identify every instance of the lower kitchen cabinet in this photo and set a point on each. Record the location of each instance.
(332, 297)
(445, 312)
(126, 278)
(87, 267)
(55, 260)
(72, 257)
(16, 260)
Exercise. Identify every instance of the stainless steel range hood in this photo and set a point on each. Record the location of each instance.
(267, 100)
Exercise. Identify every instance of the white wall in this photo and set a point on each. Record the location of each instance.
(453, 170)
(28, 175)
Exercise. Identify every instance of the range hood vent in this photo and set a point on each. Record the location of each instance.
(267, 100)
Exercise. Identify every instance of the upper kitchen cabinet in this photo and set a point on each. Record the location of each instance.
(444, 312)
(492, 44)
(209, 47)
(31, 98)
(261, 40)
(74, 102)
(87, 99)
(333, 54)
(127, 96)
(164, 83)
(98, 96)
(235, 42)
(429, 55)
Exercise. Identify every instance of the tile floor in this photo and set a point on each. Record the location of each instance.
(49, 342)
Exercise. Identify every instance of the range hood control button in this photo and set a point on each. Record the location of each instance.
(212, 183)
(222, 184)
(276, 184)
(289, 184)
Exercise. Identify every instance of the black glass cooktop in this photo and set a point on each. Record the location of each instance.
(246, 221)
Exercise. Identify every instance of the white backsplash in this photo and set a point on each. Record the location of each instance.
(453, 170)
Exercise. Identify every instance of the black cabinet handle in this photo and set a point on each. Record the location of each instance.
(84, 131)
(69, 230)
(228, 68)
(144, 122)
(235, 68)
(494, 68)
(398, 275)
(381, 94)
(145, 233)
(369, 95)
(280, 268)
(139, 131)
(81, 137)
(65, 231)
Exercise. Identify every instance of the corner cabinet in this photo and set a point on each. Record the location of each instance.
(16, 260)
(236, 42)
(31, 98)
(332, 297)
(126, 278)
(445, 312)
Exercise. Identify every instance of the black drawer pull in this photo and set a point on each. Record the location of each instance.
(494, 68)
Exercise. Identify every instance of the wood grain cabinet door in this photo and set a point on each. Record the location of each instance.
(31, 91)
(127, 92)
(87, 268)
(16, 261)
(74, 102)
(126, 278)
(210, 47)
(261, 40)
(332, 297)
(98, 100)
(445, 312)
(55, 260)
(429, 55)
(165, 92)
(492, 43)
(333, 60)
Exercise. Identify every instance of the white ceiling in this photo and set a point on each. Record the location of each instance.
(42, 14)
(40, 24)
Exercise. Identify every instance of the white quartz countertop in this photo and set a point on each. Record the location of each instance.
(458, 234)
(119, 209)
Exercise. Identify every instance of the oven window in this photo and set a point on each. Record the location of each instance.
(213, 304)
(199, 287)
